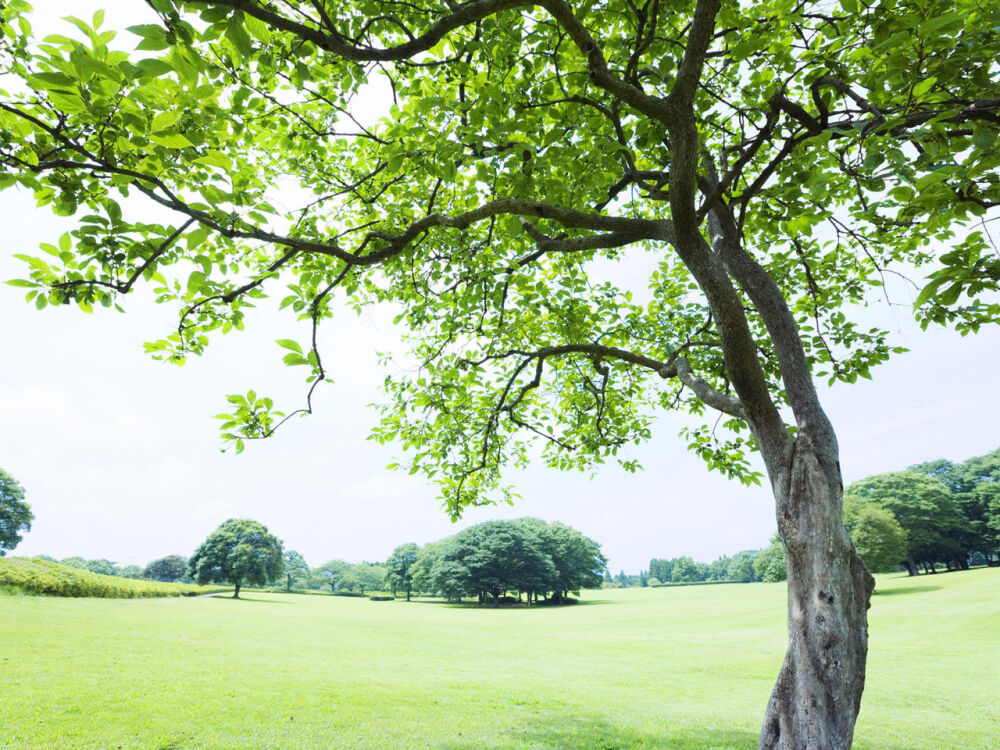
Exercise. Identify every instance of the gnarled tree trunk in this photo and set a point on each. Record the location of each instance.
(816, 700)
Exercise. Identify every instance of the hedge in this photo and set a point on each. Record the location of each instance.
(35, 576)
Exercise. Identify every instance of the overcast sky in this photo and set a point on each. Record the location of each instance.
(119, 455)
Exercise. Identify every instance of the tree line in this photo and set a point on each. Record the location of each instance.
(933, 514)
(527, 557)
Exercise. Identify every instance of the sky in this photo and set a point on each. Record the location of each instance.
(120, 457)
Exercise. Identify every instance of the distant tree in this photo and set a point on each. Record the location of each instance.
(489, 559)
(423, 567)
(129, 571)
(362, 577)
(718, 569)
(770, 565)
(577, 558)
(15, 515)
(684, 570)
(296, 568)
(660, 568)
(239, 551)
(876, 534)
(399, 568)
(101, 567)
(925, 508)
(329, 573)
(741, 569)
(168, 569)
(975, 486)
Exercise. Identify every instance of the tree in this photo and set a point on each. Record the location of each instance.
(684, 570)
(975, 486)
(770, 565)
(362, 576)
(876, 534)
(239, 551)
(578, 560)
(768, 161)
(329, 573)
(924, 507)
(296, 568)
(399, 568)
(741, 567)
(169, 568)
(15, 515)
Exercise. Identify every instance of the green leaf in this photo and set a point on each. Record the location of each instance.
(164, 120)
(174, 140)
(924, 86)
(290, 344)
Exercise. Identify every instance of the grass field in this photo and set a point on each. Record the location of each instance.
(677, 668)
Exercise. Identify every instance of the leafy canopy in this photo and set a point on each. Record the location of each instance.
(541, 202)
(240, 552)
(15, 514)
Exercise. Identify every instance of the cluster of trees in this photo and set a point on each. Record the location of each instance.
(738, 568)
(341, 576)
(527, 556)
(950, 512)
(934, 513)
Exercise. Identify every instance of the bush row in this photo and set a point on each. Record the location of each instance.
(44, 577)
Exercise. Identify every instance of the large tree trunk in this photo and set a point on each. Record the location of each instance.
(816, 699)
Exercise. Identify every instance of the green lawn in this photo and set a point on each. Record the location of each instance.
(687, 667)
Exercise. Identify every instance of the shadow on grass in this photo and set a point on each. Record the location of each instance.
(571, 733)
(574, 733)
(231, 598)
(905, 590)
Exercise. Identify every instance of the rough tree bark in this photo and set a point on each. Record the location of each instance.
(817, 697)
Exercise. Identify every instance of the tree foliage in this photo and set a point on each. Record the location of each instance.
(764, 164)
(361, 577)
(15, 514)
(399, 568)
(239, 552)
(876, 534)
(770, 564)
(925, 509)
(169, 568)
(527, 556)
(329, 573)
(296, 568)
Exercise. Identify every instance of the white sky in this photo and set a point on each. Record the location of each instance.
(119, 455)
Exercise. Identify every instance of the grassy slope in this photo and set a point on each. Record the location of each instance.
(667, 668)
(26, 575)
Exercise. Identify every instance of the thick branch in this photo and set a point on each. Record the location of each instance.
(675, 367)
(461, 15)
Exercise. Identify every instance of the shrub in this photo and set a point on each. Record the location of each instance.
(45, 577)
(382, 598)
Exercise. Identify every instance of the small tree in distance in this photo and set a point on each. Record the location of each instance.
(295, 568)
(167, 569)
(15, 515)
(399, 568)
(239, 551)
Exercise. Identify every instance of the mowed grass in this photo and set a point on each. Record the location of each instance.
(687, 667)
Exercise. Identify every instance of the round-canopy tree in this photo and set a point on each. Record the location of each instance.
(168, 568)
(761, 165)
(399, 568)
(239, 551)
(15, 515)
